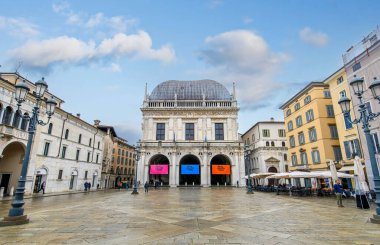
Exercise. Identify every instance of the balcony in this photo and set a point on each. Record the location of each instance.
(12, 132)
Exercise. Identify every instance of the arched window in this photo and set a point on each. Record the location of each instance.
(283, 143)
(1, 109)
(98, 144)
(7, 115)
(285, 157)
(80, 138)
(272, 143)
(288, 112)
(50, 128)
(67, 134)
(267, 143)
(89, 144)
(16, 119)
(24, 121)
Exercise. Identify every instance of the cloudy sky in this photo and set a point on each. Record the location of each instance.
(98, 55)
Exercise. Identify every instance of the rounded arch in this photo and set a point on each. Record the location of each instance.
(7, 117)
(24, 121)
(190, 170)
(67, 134)
(272, 169)
(220, 170)
(159, 170)
(11, 164)
(17, 119)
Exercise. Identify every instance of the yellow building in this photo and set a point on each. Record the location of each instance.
(348, 132)
(311, 129)
(123, 161)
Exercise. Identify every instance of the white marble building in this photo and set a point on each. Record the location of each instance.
(190, 135)
(267, 150)
(66, 153)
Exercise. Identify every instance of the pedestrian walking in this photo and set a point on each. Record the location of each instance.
(146, 187)
(338, 189)
(42, 187)
(237, 183)
(89, 186)
(85, 186)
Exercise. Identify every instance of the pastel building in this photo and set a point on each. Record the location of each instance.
(311, 129)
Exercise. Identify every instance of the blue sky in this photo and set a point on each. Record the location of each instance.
(98, 55)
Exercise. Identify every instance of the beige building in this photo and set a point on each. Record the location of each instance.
(65, 153)
(190, 135)
(123, 161)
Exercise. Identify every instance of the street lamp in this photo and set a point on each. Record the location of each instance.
(247, 158)
(137, 158)
(16, 212)
(365, 117)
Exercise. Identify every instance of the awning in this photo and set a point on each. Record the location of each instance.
(346, 168)
(41, 171)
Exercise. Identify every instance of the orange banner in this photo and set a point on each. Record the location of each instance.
(221, 169)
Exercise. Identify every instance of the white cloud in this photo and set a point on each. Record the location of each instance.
(72, 51)
(18, 27)
(243, 57)
(247, 20)
(99, 20)
(309, 36)
(115, 67)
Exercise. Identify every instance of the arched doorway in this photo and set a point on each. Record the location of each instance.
(10, 166)
(159, 170)
(220, 170)
(73, 180)
(41, 176)
(189, 173)
(272, 181)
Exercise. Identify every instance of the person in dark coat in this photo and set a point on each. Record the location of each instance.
(85, 186)
(146, 187)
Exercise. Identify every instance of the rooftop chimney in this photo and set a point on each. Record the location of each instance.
(78, 115)
(96, 122)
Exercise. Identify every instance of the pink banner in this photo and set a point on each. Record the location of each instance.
(159, 169)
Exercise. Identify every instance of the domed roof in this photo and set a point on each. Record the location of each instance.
(190, 90)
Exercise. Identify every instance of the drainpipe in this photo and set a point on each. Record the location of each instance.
(93, 145)
(63, 128)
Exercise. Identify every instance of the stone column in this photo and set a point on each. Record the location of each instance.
(205, 178)
(172, 172)
(176, 176)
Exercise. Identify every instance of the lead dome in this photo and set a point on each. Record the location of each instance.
(190, 90)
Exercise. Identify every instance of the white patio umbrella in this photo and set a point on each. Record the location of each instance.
(300, 174)
(334, 173)
(358, 170)
(278, 176)
(328, 174)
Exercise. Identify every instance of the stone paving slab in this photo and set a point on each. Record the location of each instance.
(190, 216)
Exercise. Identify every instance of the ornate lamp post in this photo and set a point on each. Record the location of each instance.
(16, 212)
(137, 158)
(247, 154)
(365, 117)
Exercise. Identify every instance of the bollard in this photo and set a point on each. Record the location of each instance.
(193, 183)
(225, 183)
(217, 183)
(186, 183)
(12, 190)
(2, 189)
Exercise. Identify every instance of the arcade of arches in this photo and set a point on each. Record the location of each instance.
(190, 170)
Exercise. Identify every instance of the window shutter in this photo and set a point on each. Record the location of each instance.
(357, 148)
(347, 149)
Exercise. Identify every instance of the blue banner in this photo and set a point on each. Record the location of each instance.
(189, 169)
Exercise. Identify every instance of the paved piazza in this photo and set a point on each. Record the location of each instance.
(190, 216)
